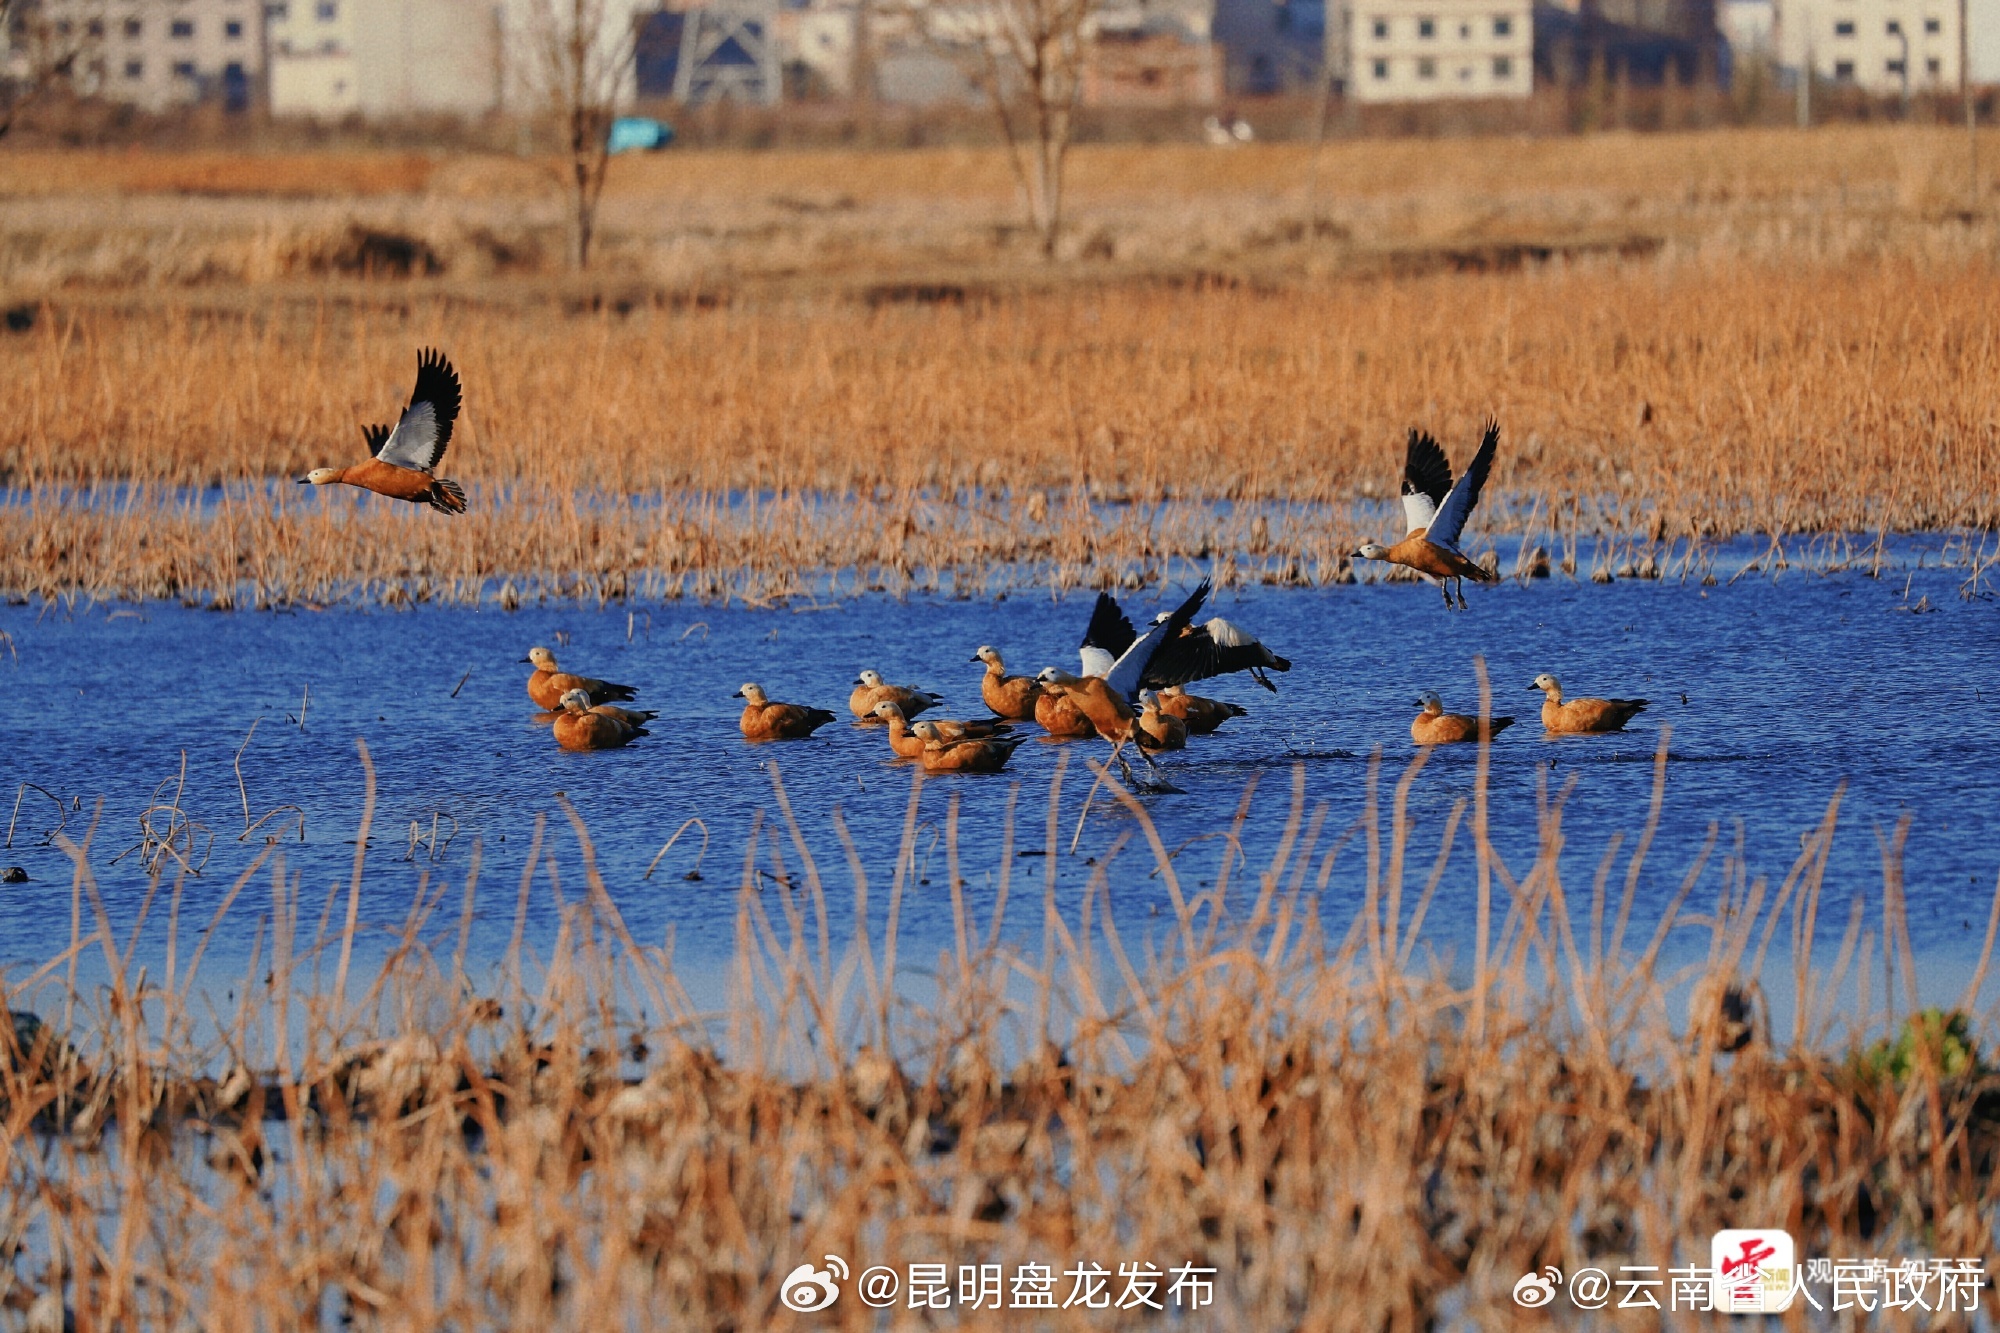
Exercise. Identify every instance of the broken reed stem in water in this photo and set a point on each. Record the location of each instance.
(566, 1136)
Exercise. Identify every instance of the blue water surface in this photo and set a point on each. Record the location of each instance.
(1776, 693)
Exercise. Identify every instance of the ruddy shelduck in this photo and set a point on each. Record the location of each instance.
(1159, 730)
(904, 742)
(1202, 716)
(579, 726)
(402, 460)
(766, 721)
(1582, 716)
(869, 690)
(1433, 726)
(1008, 696)
(963, 756)
(548, 683)
(1198, 652)
(1055, 712)
(1109, 701)
(1435, 510)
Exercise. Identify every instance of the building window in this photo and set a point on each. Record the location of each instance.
(278, 12)
(233, 30)
(133, 28)
(1843, 69)
(1465, 31)
(1895, 27)
(1426, 27)
(181, 28)
(95, 27)
(1933, 67)
(1896, 67)
(1844, 28)
(135, 69)
(1503, 26)
(1381, 69)
(1427, 68)
(62, 27)
(1381, 30)
(1933, 27)
(184, 69)
(1503, 67)
(326, 11)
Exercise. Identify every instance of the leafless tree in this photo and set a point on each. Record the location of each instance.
(581, 50)
(1028, 58)
(42, 49)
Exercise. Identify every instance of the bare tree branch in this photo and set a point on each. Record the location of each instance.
(581, 50)
(1027, 58)
(42, 51)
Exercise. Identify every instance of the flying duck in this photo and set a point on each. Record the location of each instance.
(1196, 652)
(402, 460)
(1435, 509)
(1109, 700)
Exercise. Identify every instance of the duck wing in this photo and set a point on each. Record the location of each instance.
(376, 436)
(1106, 638)
(1457, 506)
(424, 431)
(1129, 671)
(1426, 480)
(1215, 649)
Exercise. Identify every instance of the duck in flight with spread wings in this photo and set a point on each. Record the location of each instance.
(1195, 652)
(1435, 509)
(403, 459)
(1110, 700)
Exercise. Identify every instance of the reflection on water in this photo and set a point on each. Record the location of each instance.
(1776, 695)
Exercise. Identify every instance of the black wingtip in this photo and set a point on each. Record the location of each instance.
(437, 384)
(1426, 470)
(1110, 628)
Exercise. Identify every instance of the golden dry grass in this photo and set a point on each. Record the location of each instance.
(1685, 338)
(1353, 1138)
(1692, 400)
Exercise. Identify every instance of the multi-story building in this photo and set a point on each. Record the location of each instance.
(153, 54)
(1425, 50)
(384, 57)
(1884, 46)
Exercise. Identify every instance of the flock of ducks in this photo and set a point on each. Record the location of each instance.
(1131, 687)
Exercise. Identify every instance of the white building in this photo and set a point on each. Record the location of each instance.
(1427, 50)
(384, 57)
(1885, 46)
(152, 54)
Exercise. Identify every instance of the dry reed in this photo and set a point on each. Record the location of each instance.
(1061, 437)
(1352, 1136)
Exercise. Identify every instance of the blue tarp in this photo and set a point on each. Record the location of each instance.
(639, 133)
